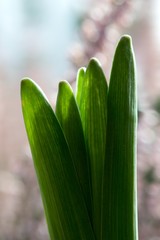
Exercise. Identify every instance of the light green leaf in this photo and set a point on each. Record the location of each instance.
(63, 200)
(79, 81)
(119, 193)
(92, 100)
(68, 115)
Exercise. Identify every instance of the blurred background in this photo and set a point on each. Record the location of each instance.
(48, 41)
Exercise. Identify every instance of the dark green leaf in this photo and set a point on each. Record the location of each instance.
(119, 193)
(68, 115)
(63, 200)
(92, 100)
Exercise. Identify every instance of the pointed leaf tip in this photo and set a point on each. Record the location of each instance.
(30, 89)
(64, 86)
(26, 82)
(80, 81)
(125, 42)
(94, 62)
(126, 38)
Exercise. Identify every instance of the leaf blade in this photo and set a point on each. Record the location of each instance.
(93, 109)
(64, 205)
(119, 193)
(68, 115)
(79, 83)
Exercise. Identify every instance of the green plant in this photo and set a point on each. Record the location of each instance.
(85, 152)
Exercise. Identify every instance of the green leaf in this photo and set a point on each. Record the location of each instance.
(68, 115)
(79, 81)
(119, 193)
(92, 100)
(63, 200)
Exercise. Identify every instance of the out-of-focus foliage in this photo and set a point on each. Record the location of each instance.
(101, 28)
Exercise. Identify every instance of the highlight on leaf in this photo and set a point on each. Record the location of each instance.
(84, 152)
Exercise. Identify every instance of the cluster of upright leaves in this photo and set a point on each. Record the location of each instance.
(85, 152)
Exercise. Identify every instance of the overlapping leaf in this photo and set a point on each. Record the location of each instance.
(86, 160)
(63, 200)
(68, 115)
(92, 100)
